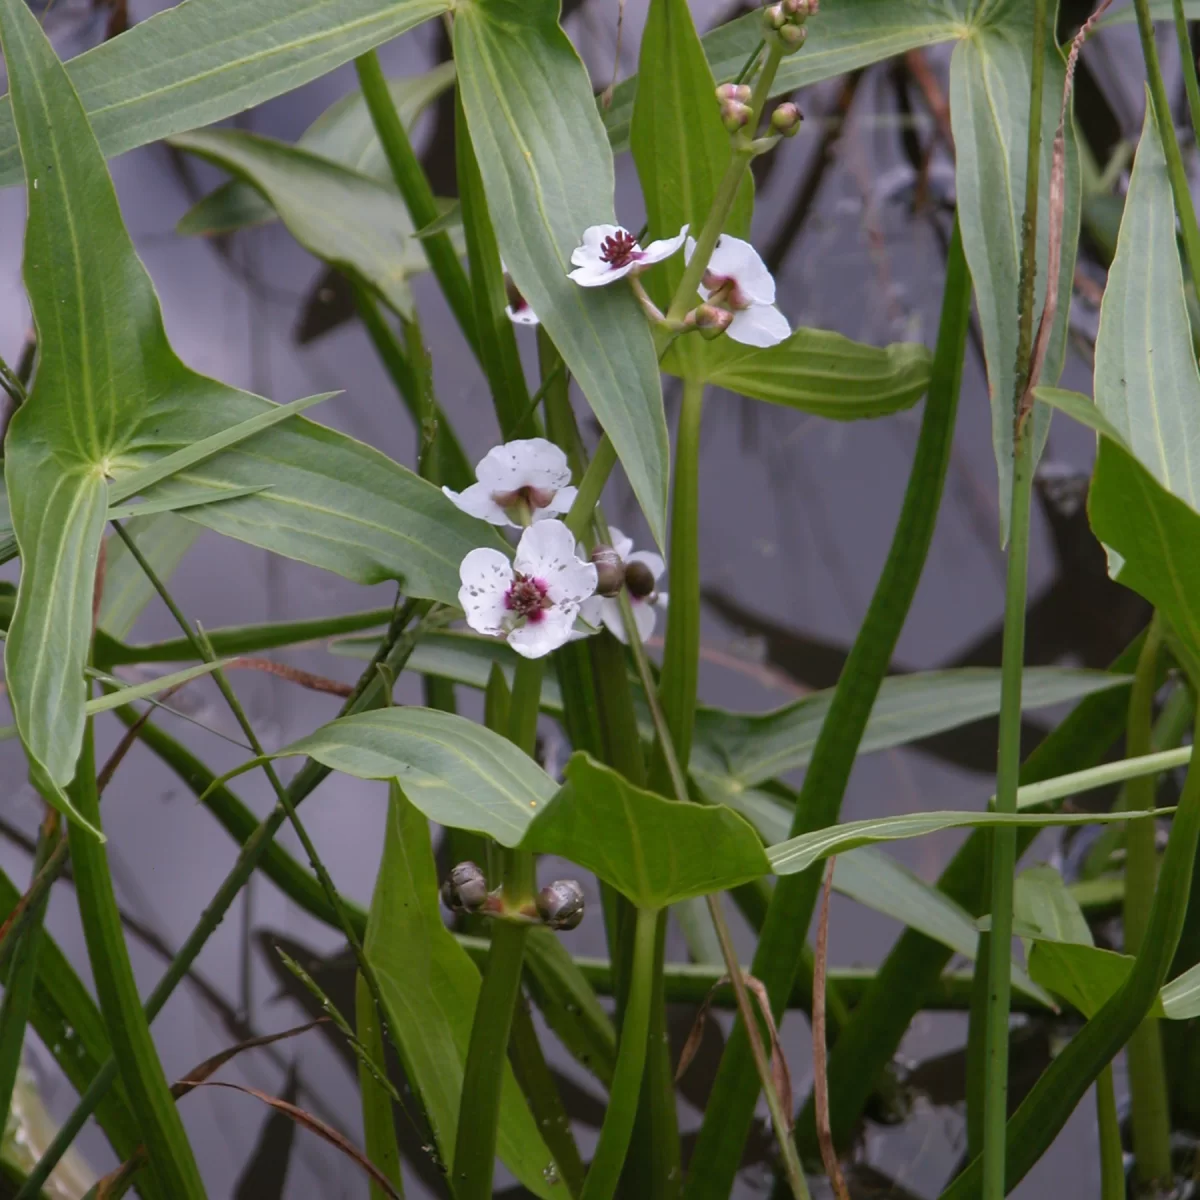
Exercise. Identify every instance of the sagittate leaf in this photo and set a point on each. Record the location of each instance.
(163, 540)
(1146, 379)
(205, 60)
(1084, 976)
(799, 853)
(989, 109)
(111, 400)
(652, 850)
(456, 772)
(814, 371)
(429, 987)
(548, 174)
(347, 219)
(344, 133)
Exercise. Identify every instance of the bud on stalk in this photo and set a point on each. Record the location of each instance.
(610, 570)
(785, 120)
(560, 904)
(465, 888)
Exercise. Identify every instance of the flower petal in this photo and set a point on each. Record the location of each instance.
(664, 248)
(620, 543)
(486, 576)
(561, 502)
(645, 617)
(547, 552)
(527, 462)
(597, 274)
(521, 316)
(477, 502)
(610, 617)
(652, 560)
(588, 251)
(735, 259)
(538, 638)
(762, 325)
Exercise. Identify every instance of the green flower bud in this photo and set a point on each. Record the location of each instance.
(735, 91)
(791, 37)
(610, 570)
(774, 18)
(800, 10)
(710, 320)
(735, 115)
(786, 120)
(560, 905)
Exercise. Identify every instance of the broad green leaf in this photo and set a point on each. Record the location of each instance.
(1043, 901)
(680, 147)
(111, 400)
(1181, 997)
(989, 110)
(205, 60)
(349, 220)
(1146, 380)
(548, 173)
(654, 851)
(456, 772)
(429, 987)
(844, 37)
(799, 853)
(343, 133)
(738, 750)
(163, 540)
(879, 882)
(1085, 976)
(814, 371)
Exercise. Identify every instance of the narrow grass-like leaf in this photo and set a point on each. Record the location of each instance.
(343, 133)
(814, 371)
(429, 987)
(1031, 794)
(989, 109)
(547, 170)
(652, 850)
(799, 853)
(456, 772)
(152, 508)
(1146, 379)
(163, 539)
(349, 220)
(205, 60)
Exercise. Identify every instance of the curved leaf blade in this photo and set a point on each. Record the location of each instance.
(208, 59)
(654, 851)
(456, 772)
(815, 371)
(548, 173)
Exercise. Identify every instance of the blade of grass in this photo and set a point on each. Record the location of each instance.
(379, 1126)
(1187, 62)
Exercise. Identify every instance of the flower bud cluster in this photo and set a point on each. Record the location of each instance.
(560, 905)
(734, 99)
(784, 22)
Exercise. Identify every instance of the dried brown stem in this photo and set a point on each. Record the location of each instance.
(315, 683)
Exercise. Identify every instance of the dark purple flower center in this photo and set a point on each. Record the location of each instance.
(527, 499)
(527, 597)
(619, 249)
(516, 301)
(723, 291)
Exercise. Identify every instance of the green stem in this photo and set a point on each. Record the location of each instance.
(487, 1054)
(1112, 1153)
(1149, 1105)
(1004, 842)
(170, 1155)
(1063, 1084)
(726, 192)
(1187, 62)
(730, 1111)
(379, 1125)
(591, 487)
(392, 655)
(1166, 130)
(615, 1133)
(418, 196)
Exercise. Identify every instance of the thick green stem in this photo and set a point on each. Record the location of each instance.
(1149, 1103)
(782, 942)
(726, 193)
(1187, 62)
(392, 655)
(1004, 842)
(487, 1054)
(602, 1176)
(170, 1154)
(1166, 130)
(418, 196)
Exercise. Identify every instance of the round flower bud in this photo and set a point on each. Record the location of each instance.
(560, 905)
(735, 115)
(786, 120)
(791, 37)
(465, 888)
(800, 10)
(639, 579)
(735, 91)
(610, 570)
(774, 17)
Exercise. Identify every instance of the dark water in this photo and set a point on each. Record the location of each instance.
(797, 516)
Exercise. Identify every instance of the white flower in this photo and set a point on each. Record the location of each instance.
(609, 252)
(606, 610)
(517, 310)
(737, 279)
(519, 483)
(533, 601)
